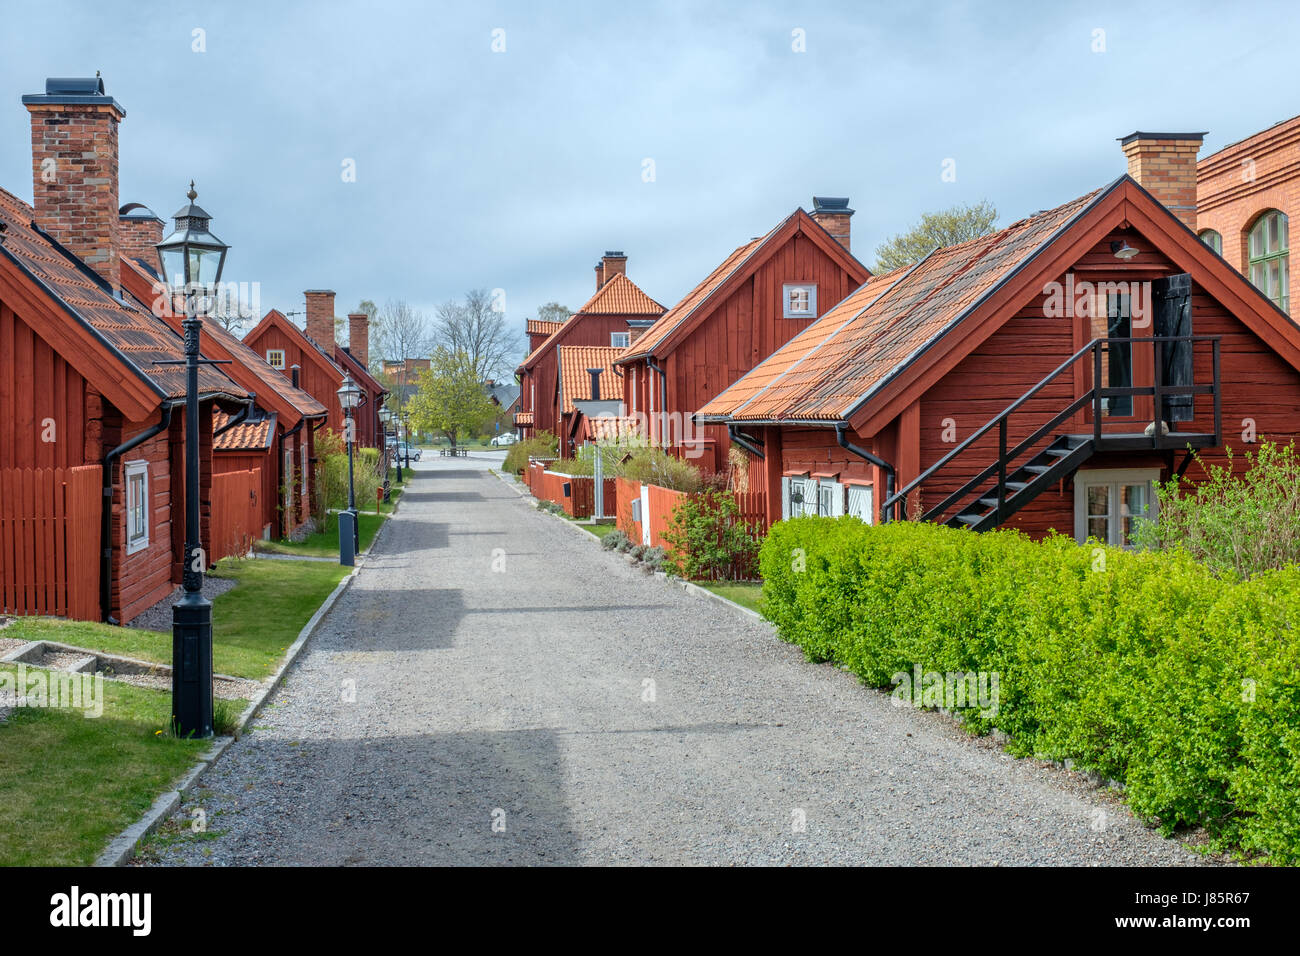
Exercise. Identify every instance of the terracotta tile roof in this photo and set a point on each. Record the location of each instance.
(247, 436)
(619, 296)
(575, 383)
(540, 327)
(138, 338)
(523, 418)
(841, 359)
(267, 379)
(613, 427)
(679, 313)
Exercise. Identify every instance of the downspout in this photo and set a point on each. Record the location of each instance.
(880, 463)
(748, 442)
(663, 394)
(106, 512)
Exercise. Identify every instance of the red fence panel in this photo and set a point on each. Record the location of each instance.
(49, 541)
(236, 513)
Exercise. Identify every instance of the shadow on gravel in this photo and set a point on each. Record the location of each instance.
(485, 798)
(457, 473)
(442, 496)
(570, 608)
(423, 619)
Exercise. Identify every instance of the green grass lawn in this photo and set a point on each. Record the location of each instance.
(599, 530)
(69, 783)
(745, 594)
(253, 624)
(325, 544)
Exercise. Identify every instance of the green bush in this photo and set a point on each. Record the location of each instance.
(615, 540)
(708, 539)
(332, 477)
(1235, 523)
(654, 466)
(1143, 667)
(541, 445)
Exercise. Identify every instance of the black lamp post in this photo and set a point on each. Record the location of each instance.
(191, 259)
(349, 397)
(406, 430)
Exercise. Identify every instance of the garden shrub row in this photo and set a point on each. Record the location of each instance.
(1143, 667)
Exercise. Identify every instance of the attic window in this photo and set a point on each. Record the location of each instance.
(275, 358)
(800, 301)
(620, 340)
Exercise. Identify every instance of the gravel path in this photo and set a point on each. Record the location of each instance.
(479, 695)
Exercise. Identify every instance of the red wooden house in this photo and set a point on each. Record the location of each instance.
(91, 451)
(590, 390)
(760, 296)
(613, 317)
(1042, 377)
(275, 436)
(321, 362)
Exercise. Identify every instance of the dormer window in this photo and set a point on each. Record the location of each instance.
(800, 301)
(275, 358)
(620, 340)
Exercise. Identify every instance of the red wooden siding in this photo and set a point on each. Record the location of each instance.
(49, 541)
(42, 402)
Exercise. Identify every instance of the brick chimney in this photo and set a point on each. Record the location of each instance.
(600, 275)
(613, 263)
(74, 170)
(320, 317)
(832, 214)
(139, 231)
(1164, 164)
(359, 337)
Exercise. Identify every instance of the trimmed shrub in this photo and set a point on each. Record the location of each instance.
(615, 540)
(654, 466)
(1145, 668)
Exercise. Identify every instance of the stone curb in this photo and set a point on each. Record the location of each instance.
(122, 848)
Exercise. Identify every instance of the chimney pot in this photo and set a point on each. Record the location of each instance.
(1164, 164)
(320, 317)
(832, 213)
(294, 372)
(359, 337)
(595, 383)
(74, 170)
(613, 263)
(600, 275)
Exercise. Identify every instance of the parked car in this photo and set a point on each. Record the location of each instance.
(505, 438)
(408, 451)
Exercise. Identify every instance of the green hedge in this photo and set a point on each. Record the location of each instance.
(1139, 666)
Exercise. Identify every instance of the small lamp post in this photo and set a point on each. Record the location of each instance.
(386, 417)
(191, 260)
(349, 395)
(406, 429)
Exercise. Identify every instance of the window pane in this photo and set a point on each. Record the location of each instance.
(1097, 528)
(1098, 500)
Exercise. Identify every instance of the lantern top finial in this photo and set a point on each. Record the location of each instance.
(192, 194)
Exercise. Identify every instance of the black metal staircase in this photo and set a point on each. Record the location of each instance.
(1052, 452)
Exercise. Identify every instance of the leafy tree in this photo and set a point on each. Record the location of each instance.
(451, 398)
(553, 312)
(945, 228)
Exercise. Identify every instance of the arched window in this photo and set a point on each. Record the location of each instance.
(1213, 240)
(1269, 254)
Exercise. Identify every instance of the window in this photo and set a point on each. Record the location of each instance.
(620, 340)
(861, 503)
(275, 358)
(800, 301)
(1213, 240)
(802, 495)
(136, 476)
(1269, 257)
(1108, 502)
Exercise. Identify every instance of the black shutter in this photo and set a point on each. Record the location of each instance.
(1173, 316)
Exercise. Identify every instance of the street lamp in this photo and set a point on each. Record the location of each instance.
(386, 419)
(349, 396)
(391, 419)
(190, 261)
(406, 430)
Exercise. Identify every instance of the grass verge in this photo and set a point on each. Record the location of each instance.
(748, 595)
(253, 624)
(325, 544)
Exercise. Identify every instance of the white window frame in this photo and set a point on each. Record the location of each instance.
(1114, 478)
(270, 353)
(620, 340)
(821, 496)
(791, 287)
(131, 471)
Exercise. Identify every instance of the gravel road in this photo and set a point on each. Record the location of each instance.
(480, 695)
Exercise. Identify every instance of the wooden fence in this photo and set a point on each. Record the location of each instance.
(49, 541)
(236, 513)
(580, 501)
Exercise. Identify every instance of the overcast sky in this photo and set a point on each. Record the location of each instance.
(516, 169)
